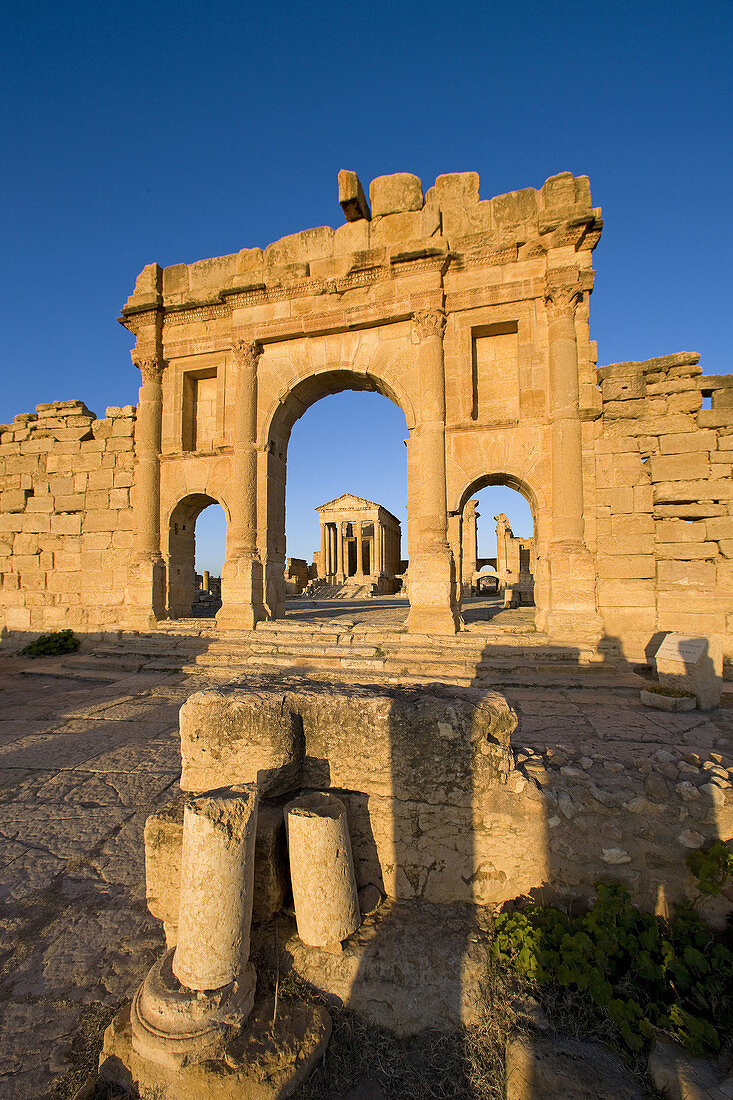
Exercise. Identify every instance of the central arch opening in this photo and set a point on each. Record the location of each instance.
(337, 448)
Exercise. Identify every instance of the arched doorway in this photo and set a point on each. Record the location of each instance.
(195, 556)
(497, 532)
(274, 475)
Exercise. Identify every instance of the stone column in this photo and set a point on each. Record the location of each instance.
(217, 885)
(376, 564)
(433, 606)
(147, 582)
(321, 869)
(198, 993)
(323, 549)
(340, 574)
(572, 613)
(205, 580)
(242, 573)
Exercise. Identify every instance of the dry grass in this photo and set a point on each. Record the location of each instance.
(432, 1065)
(85, 1048)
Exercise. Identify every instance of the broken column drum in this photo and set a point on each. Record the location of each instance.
(321, 869)
(217, 877)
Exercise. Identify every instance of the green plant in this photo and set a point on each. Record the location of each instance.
(642, 973)
(379, 652)
(52, 645)
(673, 693)
(712, 868)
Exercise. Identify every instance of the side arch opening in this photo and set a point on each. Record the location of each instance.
(196, 551)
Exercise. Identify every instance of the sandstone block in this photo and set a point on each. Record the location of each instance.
(680, 467)
(240, 738)
(352, 199)
(546, 1069)
(394, 194)
(689, 663)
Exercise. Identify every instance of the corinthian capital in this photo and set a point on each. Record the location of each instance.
(246, 353)
(561, 298)
(428, 322)
(150, 366)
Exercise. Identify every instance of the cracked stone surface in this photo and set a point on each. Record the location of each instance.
(84, 761)
(82, 764)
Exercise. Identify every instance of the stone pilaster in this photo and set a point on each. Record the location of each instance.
(242, 573)
(572, 613)
(146, 591)
(433, 606)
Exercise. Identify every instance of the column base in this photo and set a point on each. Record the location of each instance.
(572, 616)
(145, 595)
(433, 604)
(264, 1061)
(242, 606)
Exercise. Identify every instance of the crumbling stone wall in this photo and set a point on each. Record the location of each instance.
(664, 500)
(65, 517)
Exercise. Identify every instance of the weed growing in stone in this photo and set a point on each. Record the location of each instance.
(52, 645)
(644, 974)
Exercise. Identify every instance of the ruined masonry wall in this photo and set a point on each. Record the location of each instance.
(65, 517)
(664, 501)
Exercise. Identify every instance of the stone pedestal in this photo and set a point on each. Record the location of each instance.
(321, 869)
(572, 616)
(688, 663)
(146, 593)
(241, 594)
(433, 607)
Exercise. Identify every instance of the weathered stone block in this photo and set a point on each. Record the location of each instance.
(352, 199)
(394, 194)
(240, 738)
(692, 664)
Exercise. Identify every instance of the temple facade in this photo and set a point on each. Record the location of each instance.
(360, 541)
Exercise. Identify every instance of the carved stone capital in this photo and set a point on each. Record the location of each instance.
(247, 352)
(561, 298)
(428, 322)
(151, 367)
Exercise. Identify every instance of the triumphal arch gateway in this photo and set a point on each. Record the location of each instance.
(472, 315)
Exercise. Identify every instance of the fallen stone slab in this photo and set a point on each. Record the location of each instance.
(678, 1075)
(546, 1069)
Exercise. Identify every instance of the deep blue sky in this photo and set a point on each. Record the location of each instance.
(171, 132)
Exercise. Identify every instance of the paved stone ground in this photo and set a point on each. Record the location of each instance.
(390, 612)
(83, 762)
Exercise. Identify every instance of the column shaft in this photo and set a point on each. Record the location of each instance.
(147, 446)
(340, 551)
(244, 498)
(323, 549)
(567, 466)
(242, 575)
(433, 607)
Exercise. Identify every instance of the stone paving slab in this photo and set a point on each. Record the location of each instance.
(83, 762)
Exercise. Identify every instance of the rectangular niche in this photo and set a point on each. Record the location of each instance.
(495, 351)
(200, 393)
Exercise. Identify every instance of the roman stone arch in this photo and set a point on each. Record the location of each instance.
(181, 551)
(307, 387)
(539, 508)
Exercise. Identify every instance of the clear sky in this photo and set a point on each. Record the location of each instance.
(172, 132)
